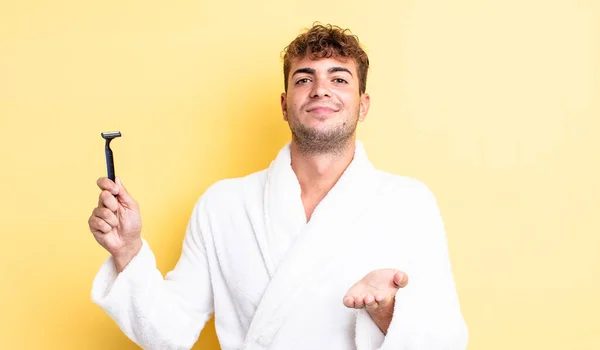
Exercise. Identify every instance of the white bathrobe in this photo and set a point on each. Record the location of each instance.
(274, 281)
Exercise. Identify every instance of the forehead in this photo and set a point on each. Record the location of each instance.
(323, 64)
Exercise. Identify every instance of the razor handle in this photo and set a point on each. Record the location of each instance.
(110, 165)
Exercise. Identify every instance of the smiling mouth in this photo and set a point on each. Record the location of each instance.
(322, 110)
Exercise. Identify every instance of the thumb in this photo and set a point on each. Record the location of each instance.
(123, 195)
(400, 279)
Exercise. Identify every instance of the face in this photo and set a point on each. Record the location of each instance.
(323, 104)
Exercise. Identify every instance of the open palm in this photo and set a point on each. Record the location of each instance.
(376, 290)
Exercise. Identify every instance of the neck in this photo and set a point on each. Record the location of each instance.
(318, 173)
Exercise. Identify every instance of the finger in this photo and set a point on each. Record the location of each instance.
(384, 301)
(108, 200)
(97, 225)
(359, 302)
(348, 301)
(124, 195)
(107, 215)
(400, 279)
(370, 302)
(107, 184)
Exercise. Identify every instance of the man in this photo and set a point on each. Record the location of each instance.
(314, 252)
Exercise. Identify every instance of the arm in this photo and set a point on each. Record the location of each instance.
(426, 313)
(382, 316)
(157, 312)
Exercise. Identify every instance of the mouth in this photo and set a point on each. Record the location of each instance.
(321, 110)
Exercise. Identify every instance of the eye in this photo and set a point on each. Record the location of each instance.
(340, 81)
(302, 81)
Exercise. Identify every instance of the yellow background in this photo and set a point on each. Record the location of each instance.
(493, 104)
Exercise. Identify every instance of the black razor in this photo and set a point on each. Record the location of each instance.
(110, 165)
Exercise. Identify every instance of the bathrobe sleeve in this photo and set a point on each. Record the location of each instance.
(157, 312)
(427, 313)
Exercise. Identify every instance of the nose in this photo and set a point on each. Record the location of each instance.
(320, 89)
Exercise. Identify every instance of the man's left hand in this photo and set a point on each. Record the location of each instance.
(376, 293)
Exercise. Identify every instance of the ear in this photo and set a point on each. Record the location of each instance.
(284, 106)
(365, 103)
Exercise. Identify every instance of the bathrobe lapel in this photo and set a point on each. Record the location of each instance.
(330, 226)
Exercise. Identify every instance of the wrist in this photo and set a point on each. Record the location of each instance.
(126, 254)
(382, 316)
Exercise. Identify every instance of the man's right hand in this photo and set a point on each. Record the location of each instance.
(116, 222)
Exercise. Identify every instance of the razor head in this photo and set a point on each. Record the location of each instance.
(111, 135)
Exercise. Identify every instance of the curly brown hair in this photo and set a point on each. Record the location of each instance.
(325, 41)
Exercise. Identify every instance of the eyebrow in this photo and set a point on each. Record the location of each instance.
(339, 69)
(330, 70)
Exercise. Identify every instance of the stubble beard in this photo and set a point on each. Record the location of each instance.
(311, 141)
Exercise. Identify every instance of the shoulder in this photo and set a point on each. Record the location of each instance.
(405, 186)
(235, 190)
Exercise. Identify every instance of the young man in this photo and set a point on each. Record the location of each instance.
(314, 252)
